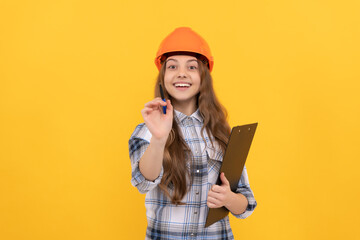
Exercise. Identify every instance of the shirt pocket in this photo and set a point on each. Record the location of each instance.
(214, 161)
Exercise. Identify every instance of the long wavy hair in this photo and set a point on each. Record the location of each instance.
(177, 154)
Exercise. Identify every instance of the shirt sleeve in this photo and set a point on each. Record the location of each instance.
(244, 189)
(138, 143)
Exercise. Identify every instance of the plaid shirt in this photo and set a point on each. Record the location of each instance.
(168, 221)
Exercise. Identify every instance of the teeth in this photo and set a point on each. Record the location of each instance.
(182, 85)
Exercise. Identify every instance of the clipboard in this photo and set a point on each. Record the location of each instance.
(233, 163)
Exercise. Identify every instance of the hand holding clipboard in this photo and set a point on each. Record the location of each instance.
(233, 163)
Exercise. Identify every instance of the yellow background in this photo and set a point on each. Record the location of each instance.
(74, 76)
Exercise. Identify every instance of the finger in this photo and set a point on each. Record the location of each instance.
(155, 103)
(224, 179)
(169, 108)
(214, 201)
(212, 205)
(147, 110)
(218, 196)
(169, 105)
(217, 189)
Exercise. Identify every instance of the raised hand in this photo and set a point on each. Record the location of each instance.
(158, 123)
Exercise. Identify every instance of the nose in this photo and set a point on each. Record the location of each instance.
(181, 73)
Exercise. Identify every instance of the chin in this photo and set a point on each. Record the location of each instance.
(181, 96)
(183, 99)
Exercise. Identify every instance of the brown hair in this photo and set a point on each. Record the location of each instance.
(177, 152)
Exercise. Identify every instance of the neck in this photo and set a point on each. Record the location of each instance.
(186, 108)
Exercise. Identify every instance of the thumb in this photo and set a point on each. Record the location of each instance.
(224, 180)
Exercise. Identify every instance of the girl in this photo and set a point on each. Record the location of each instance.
(176, 156)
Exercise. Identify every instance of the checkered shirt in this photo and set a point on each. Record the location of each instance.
(168, 221)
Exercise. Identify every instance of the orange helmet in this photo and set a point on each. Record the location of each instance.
(184, 39)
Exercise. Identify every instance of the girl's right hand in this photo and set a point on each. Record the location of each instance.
(158, 123)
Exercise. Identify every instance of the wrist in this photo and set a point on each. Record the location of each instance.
(158, 141)
(230, 199)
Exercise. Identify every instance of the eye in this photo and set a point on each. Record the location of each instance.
(171, 66)
(193, 67)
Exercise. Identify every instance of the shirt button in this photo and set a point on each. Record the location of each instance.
(192, 234)
(195, 212)
(197, 170)
(197, 193)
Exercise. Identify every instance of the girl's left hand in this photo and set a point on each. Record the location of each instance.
(219, 195)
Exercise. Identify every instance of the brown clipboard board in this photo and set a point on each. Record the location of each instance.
(233, 163)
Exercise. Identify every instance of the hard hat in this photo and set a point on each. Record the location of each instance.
(184, 39)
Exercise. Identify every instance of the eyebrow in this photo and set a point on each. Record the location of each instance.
(177, 60)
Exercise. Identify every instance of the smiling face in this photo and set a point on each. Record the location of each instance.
(182, 80)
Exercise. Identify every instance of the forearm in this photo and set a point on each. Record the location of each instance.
(151, 162)
(237, 203)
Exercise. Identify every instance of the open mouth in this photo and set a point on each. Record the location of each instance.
(182, 85)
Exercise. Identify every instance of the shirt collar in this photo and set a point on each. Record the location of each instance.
(181, 116)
